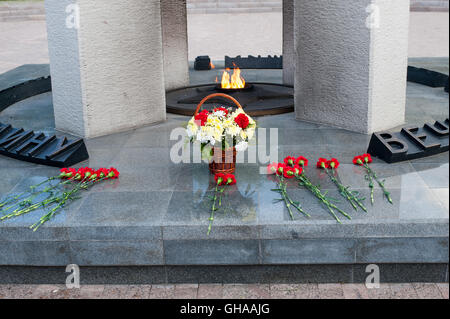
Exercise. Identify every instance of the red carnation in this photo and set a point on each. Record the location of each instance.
(242, 121)
(358, 160)
(289, 172)
(113, 173)
(220, 179)
(290, 161)
(272, 168)
(298, 170)
(280, 168)
(230, 179)
(67, 172)
(102, 173)
(333, 163)
(202, 117)
(322, 163)
(302, 161)
(366, 158)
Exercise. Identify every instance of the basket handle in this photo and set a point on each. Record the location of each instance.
(214, 95)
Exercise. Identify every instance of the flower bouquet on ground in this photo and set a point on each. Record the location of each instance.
(353, 197)
(364, 160)
(294, 168)
(221, 180)
(221, 132)
(57, 196)
(284, 172)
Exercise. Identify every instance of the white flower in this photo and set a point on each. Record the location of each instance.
(250, 133)
(241, 146)
(191, 130)
(233, 130)
(219, 113)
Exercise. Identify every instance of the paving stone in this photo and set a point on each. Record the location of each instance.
(331, 291)
(138, 292)
(308, 291)
(427, 291)
(443, 289)
(114, 292)
(185, 292)
(355, 291)
(281, 287)
(210, 291)
(91, 291)
(51, 292)
(162, 292)
(16, 291)
(403, 291)
(246, 291)
(283, 294)
(384, 292)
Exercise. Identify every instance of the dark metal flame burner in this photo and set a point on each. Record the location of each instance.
(257, 99)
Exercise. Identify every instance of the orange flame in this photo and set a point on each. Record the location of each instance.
(212, 65)
(236, 81)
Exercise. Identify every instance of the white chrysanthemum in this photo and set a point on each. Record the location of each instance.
(192, 130)
(233, 130)
(219, 113)
(243, 134)
(241, 146)
(250, 133)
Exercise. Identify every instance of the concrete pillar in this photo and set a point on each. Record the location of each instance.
(175, 43)
(288, 42)
(107, 74)
(350, 75)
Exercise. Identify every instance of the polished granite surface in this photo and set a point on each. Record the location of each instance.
(162, 208)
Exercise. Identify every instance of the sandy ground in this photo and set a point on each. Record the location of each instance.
(218, 35)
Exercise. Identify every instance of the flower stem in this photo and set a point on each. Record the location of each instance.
(287, 200)
(17, 197)
(316, 191)
(373, 176)
(351, 197)
(213, 209)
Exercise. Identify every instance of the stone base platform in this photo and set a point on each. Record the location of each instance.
(151, 224)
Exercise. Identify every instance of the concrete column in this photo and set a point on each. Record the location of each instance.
(175, 43)
(107, 75)
(288, 42)
(350, 75)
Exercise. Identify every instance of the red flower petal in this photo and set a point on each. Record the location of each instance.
(322, 163)
(302, 161)
(333, 163)
(290, 161)
(242, 121)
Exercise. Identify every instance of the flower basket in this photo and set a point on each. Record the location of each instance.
(223, 161)
(220, 131)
